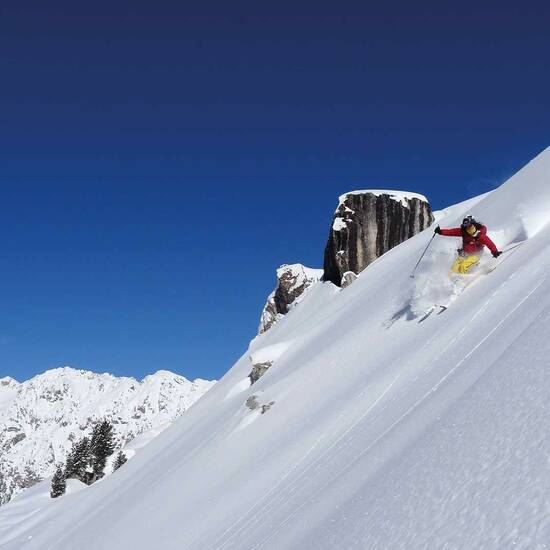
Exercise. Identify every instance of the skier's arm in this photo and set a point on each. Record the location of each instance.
(454, 232)
(485, 240)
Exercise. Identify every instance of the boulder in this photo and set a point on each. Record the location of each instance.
(367, 224)
(258, 370)
(347, 278)
(292, 281)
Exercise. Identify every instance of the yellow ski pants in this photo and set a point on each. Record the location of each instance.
(463, 264)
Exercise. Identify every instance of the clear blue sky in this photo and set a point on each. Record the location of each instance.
(159, 161)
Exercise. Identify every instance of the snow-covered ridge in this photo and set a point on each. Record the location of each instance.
(40, 417)
(399, 196)
(381, 432)
(298, 269)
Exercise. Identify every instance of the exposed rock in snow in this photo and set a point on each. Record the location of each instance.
(263, 358)
(41, 417)
(253, 404)
(369, 223)
(258, 370)
(347, 278)
(292, 281)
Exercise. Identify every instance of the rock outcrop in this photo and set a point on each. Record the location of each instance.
(258, 370)
(369, 223)
(347, 278)
(292, 281)
(253, 404)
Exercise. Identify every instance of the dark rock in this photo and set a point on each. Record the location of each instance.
(267, 406)
(292, 281)
(252, 404)
(347, 278)
(18, 438)
(367, 224)
(258, 370)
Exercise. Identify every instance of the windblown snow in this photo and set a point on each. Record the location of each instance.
(381, 431)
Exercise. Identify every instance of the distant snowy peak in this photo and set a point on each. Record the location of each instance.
(399, 196)
(8, 389)
(40, 417)
(298, 270)
(8, 381)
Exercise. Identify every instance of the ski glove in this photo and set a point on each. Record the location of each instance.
(437, 230)
(496, 253)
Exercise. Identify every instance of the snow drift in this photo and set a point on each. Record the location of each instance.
(383, 432)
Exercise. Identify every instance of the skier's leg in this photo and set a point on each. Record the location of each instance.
(469, 262)
(463, 264)
(456, 265)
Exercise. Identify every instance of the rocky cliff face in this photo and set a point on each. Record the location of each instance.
(369, 223)
(292, 281)
(40, 417)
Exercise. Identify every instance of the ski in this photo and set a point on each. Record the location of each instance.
(469, 281)
(511, 249)
(431, 310)
(427, 314)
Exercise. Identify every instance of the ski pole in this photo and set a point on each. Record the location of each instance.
(512, 247)
(420, 259)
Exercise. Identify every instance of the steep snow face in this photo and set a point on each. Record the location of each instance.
(40, 417)
(371, 430)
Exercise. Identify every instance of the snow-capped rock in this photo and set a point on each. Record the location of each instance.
(292, 281)
(40, 418)
(367, 224)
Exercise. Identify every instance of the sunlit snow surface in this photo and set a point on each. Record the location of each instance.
(385, 432)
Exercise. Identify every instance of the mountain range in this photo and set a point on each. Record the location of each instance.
(40, 418)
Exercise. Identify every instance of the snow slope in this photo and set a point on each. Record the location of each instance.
(383, 432)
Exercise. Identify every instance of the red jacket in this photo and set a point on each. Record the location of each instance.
(471, 244)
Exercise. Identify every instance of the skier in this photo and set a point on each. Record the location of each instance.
(474, 238)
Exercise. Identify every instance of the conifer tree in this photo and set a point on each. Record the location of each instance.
(59, 484)
(102, 446)
(119, 461)
(78, 461)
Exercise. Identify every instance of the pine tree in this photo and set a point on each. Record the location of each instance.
(78, 461)
(59, 484)
(102, 446)
(5, 494)
(119, 461)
